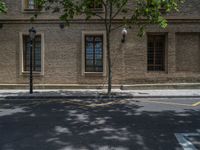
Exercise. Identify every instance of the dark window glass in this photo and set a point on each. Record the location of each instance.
(30, 4)
(94, 53)
(96, 6)
(36, 53)
(156, 52)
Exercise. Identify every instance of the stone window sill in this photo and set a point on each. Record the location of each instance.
(31, 11)
(36, 74)
(156, 72)
(97, 10)
(93, 74)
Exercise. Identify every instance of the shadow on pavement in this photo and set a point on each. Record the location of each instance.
(55, 125)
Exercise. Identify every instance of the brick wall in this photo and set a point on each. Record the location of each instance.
(187, 52)
(191, 8)
(62, 59)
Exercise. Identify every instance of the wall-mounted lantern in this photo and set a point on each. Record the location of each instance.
(124, 33)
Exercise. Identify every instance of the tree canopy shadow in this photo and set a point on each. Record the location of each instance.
(56, 125)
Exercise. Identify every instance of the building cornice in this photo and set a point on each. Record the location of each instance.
(92, 21)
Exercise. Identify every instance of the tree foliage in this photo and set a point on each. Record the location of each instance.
(3, 8)
(152, 11)
(130, 12)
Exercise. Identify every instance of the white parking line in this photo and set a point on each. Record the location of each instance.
(187, 145)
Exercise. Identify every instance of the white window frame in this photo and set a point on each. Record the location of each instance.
(22, 71)
(103, 33)
(98, 10)
(27, 10)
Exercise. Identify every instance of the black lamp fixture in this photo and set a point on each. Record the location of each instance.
(124, 33)
(1, 25)
(32, 34)
(62, 25)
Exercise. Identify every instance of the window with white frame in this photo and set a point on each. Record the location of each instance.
(30, 5)
(94, 52)
(97, 7)
(37, 53)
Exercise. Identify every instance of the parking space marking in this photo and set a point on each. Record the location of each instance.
(187, 145)
(196, 104)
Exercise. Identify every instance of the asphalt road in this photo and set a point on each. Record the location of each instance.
(126, 124)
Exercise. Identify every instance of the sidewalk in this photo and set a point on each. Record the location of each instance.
(86, 93)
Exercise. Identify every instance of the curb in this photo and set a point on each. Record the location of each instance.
(63, 97)
(90, 97)
(170, 96)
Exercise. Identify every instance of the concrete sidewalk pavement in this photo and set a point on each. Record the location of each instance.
(91, 93)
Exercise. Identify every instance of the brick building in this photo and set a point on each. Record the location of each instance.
(76, 55)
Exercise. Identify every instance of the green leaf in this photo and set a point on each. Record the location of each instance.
(3, 8)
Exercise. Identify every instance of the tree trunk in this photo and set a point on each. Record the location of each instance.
(109, 64)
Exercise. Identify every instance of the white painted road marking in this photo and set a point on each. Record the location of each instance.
(187, 145)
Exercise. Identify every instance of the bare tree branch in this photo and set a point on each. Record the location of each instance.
(119, 10)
